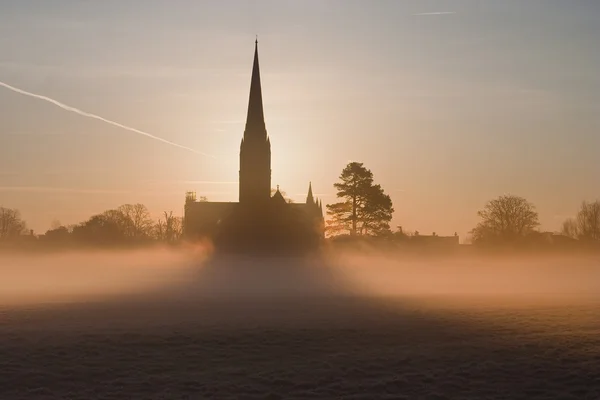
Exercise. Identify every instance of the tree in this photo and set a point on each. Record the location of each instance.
(126, 224)
(105, 228)
(169, 228)
(11, 224)
(136, 221)
(338, 223)
(586, 225)
(60, 234)
(118, 221)
(505, 219)
(570, 228)
(365, 209)
(377, 212)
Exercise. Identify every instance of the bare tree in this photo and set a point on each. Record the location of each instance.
(169, 228)
(11, 224)
(588, 221)
(507, 218)
(136, 220)
(570, 228)
(586, 225)
(117, 220)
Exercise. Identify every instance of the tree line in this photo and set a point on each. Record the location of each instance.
(129, 224)
(364, 209)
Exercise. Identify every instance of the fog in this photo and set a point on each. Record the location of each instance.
(189, 274)
(475, 276)
(78, 276)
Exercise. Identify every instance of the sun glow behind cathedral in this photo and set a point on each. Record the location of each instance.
(259, 222)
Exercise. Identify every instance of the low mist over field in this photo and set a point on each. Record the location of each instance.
(98, 275)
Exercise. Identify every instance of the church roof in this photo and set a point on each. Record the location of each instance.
(278, 197)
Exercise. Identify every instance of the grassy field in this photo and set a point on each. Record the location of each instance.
(184, 344)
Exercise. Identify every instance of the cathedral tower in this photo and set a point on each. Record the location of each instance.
(255, 150)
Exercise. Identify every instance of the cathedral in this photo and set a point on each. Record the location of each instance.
(260, 222)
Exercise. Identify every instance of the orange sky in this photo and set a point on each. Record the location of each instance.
(448, 103)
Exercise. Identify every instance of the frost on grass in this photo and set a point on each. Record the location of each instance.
(166, 325)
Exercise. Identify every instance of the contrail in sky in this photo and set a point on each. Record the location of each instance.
(94, 116)
(43, 189)
(437, 13)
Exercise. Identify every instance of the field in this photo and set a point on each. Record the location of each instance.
(191, 342)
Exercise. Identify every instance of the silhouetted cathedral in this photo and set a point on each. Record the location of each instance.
(259, 222)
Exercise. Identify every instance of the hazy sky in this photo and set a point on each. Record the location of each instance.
(449, 103)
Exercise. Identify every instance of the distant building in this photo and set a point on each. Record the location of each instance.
(259, 222)
(554, 239)
(436, 240)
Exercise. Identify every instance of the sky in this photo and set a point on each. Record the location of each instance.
(448, 103)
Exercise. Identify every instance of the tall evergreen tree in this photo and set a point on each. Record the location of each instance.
(365, 209)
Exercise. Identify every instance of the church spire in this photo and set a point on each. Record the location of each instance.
(255, 149)
(255, 120)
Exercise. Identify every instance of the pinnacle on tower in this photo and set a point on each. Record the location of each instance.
(309, 198)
